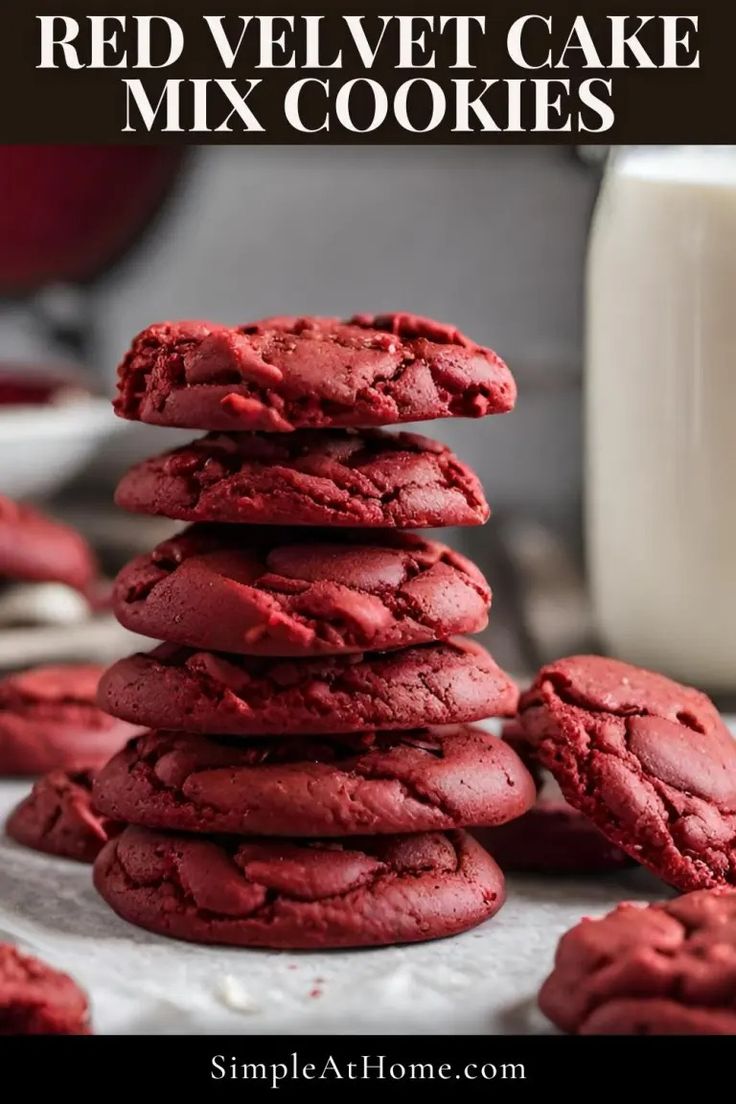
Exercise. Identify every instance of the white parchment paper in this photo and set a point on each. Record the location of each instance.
(484, 981)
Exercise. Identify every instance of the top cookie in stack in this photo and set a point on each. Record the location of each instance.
(282, 374)
(277, 635)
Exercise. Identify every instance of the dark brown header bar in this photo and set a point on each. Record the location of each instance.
(503, 72)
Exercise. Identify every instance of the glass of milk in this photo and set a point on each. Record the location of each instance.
(661, 411)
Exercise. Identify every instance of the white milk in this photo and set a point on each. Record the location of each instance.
(661, 411)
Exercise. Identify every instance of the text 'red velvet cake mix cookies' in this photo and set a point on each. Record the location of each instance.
(662, 969)
(175, 687)
(273, 592)
(49, 718)
(57, 817)
(366, 891)
(282, 374)
(649, 761)
(38, 1000)
(37, 549)
(350, 785)
(367, 479)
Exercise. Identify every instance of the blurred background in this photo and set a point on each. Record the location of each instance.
(98, 242)
(101, 242)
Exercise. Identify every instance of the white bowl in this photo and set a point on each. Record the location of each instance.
(43, 447)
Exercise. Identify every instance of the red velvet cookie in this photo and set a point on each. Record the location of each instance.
(49, 719)
(37, 1000)
(650, 762)
(281, 374)
(35, 548)
(57, 817)
(512, 733)
(174, 687)
(266, 592)
(552, 838)
(662, 969)
(310, 894)
(311, 477)
(349, 785)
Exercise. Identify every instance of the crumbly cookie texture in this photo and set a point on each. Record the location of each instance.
(662, 969)
(649, 761)
(366, 479)
(180, 688)
(282, 374)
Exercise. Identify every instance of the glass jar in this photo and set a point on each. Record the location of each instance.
(660, 377)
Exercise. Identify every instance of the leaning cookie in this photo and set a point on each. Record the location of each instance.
(365, 479)
(49, 719)
(281, 374)
(38, 1000)
(338, 786)
(37, 549)
(300, 894)
(269, 592)
(57, 817)
(174, 687)
(648, 761)
(662, 969)
(552, 838)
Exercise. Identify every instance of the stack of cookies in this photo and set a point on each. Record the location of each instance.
(311, 761)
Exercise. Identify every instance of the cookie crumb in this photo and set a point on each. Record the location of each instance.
(232, 994)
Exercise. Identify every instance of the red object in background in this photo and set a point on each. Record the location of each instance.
(21, 387)
(68, 212)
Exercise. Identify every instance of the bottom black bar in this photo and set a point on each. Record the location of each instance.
(499, 1067)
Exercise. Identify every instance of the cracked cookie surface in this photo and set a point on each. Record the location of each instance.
(649, 761)
(291, 894)
(281, 374)
(269, 592)
(174, 687)
(350, 785)
(369, 479)
(49, 718)
(38, 1000)
(662, 969)
(552, 837)
(57, 818)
